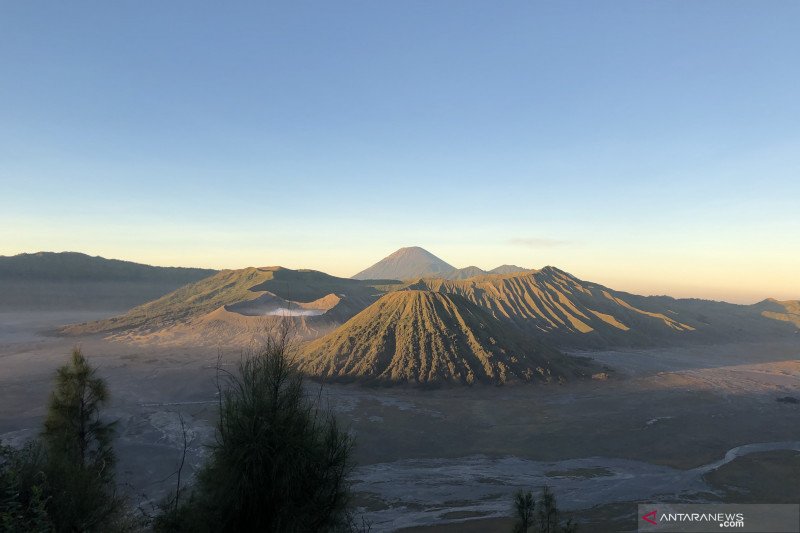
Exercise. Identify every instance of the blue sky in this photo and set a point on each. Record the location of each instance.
(651, 146)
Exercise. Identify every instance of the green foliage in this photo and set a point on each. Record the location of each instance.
(73, 430)
(65, 480)
(80, 457)
(280, 462)
(22, 498)
(545, 519)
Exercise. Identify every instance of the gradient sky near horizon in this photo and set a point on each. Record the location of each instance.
(650, 146)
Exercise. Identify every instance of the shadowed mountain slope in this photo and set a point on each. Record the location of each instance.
(787, 311)
(70, 280)
(74, 266)
(424, 337)
(474, 272)
(509, 269)
(465, 273)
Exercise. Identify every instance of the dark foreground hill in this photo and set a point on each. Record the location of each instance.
(425, 337)
(48, 280)
(74, 266)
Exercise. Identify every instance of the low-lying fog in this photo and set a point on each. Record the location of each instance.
(284, 311)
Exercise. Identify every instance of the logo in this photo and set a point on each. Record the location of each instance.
(684, 517)
(651, 517)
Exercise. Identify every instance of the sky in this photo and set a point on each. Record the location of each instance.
(650, 146)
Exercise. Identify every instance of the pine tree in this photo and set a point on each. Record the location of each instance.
(80, 457)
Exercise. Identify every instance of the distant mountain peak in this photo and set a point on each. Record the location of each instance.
(414, 252)
(407, 263)
(405, 249)
(509, 269)
(415, 262)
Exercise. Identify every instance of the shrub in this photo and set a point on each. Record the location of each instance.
(280, 462)
(22, 499)
(545, 519)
